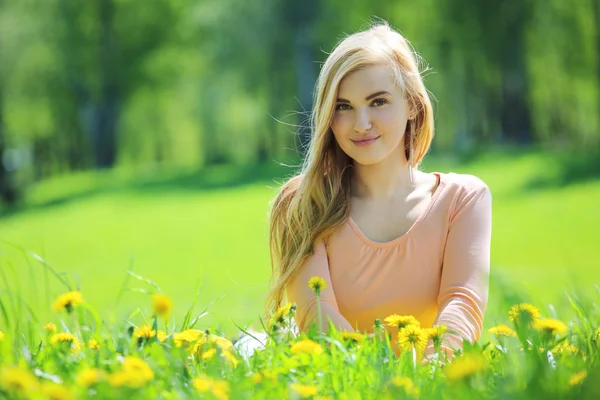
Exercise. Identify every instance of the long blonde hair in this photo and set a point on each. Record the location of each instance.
(312, 205)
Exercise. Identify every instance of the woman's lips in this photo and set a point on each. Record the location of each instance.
(367, 142)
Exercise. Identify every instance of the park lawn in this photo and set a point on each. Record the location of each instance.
(196, 230)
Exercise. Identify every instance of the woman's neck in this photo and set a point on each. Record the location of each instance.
(384, 180)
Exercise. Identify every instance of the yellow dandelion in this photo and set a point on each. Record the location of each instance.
(565, 347)
(317, 284)
(282, 314)
(230, 358)
(55, 391)
(209, 354)
(401, 321)
(270, 375)
(304, 391)
(406, 384)
(436, 334)
(18, 382)
(162, 336)
(135, 373)
(187, 336)
(50, 328)
(219, 388)
(578, 378)
(88, 377)
(206, 341)
(144, 332)
(524, 313)
(67, 301)
(551, 326)
(307, 346)
(412, 336)
(1, 336)
(161, 304)
(256, 378)
(597, 337)
(93, 344)
(354, 337)
(66, 338)
(464, 367)
(202, 384)
(502, 330)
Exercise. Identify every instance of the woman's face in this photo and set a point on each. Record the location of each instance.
(370, 116)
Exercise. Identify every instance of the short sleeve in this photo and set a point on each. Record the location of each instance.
(464, 283)
(299, 293)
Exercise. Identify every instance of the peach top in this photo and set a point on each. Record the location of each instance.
(438, 271)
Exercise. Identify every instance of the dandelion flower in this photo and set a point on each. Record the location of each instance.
(202, 384)
(219, 388)
(401, 321)
(597, 336)
(524, 313)
(17, 381)
(135, 373)
(304, 391)
(412, 336)
(565, 347)
(256, 378)
(68, 338)
(55, 391)
(354, 337)
(551, 326)
(67, 301)
(88, 377)
(502, 330)
(283, 314)
(317, 284)
(144, 332)
(162, 336)
(205, 341)
(578, 378)
(405, 383)
(230, 358)
(50, 328)
(436, 334)
(307, 346)
(464, 367)
(93, 344)
(1, 336)
(187, 336)
(161, 304)
(209, 354)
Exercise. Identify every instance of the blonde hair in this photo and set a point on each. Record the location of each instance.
(312, 205)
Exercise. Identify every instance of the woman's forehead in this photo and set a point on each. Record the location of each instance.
(368, 80)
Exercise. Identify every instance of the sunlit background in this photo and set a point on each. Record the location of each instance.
(151, 136)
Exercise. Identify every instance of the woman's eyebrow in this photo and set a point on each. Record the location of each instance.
(369, 97)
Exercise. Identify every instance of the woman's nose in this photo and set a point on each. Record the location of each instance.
(362, 123)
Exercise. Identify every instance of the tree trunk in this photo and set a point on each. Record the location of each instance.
(305, 80)
(515, 114)
(107, 109)
(596, 7)
(8, 192)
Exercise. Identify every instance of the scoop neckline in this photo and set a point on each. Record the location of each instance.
(403, 237)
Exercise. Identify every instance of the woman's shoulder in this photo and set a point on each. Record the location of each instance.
(465, 183)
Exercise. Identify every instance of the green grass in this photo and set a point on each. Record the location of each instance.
(182, 229)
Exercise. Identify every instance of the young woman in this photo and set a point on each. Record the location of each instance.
(386, 237)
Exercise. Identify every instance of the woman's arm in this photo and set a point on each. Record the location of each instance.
(299, 293)
(465, 272)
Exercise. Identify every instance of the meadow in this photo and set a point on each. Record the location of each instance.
(201, 236)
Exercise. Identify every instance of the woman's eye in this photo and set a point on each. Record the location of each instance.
(379, 102)
(342, 107)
